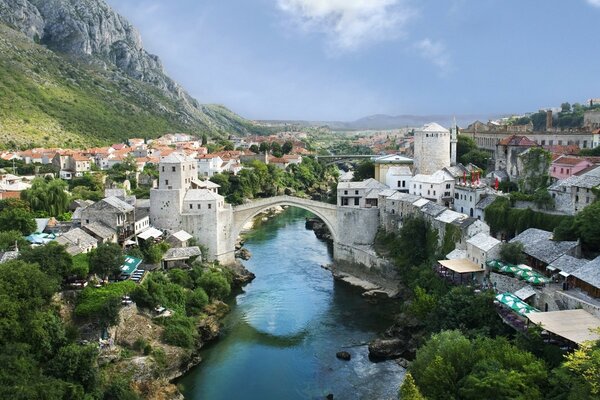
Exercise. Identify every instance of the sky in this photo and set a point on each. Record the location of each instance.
(346, 59)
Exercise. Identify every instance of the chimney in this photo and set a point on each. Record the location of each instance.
(548, 120)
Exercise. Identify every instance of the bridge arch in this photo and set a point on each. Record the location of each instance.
(245, 212)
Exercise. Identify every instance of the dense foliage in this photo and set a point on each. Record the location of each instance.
(467, 152)
(39, 358)
(47, 197)
(504, 219)
(512, 253)
(106, 260)
(261, 180)
(102, 305)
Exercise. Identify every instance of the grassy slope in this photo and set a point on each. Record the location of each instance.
(47, 99)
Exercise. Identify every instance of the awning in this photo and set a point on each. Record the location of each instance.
(130, 265)
(150, 233)
(515, 304)
(461, 265)
(575, 325)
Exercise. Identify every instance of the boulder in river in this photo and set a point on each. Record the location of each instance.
(386, 348)
(343, 355)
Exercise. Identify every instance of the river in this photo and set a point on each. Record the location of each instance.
(280, 338)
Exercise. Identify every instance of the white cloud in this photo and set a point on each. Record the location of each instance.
(434, 52)
(351, 24)
(595, 3)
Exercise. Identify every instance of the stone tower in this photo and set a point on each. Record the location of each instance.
(181, 201)
(432, 149)
(176, 173)
(453, 142)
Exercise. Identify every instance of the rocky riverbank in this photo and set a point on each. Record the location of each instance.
(320, 228)
(137, 350)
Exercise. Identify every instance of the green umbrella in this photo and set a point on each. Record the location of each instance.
(495, 264)
(537, 280)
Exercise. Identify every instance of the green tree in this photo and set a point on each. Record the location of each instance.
(49, 197)
(512, 253)
(364, 170)
(582, 367)
(587, 223)
(255, 149)
(464, 145)
(204, 139)
(52, 258)
(264, 147)
(18, 219)
(409, 390)
(287, 147)
(76, 364)
(195, 301)
(215, 285)
(10, 239)
(106, 260)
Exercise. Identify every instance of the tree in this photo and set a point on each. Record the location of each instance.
(10, 239)
(254, 148)
(565, 107)
(52, 258)
(49, 197)
(287, 147)
(409, 390)
(18, 219)
(365, 170)
(215, 285)
(106, 260)
(587, 223)
(450, 366)
(464, 145)
(204, 140)
(195, 301)
(264, 147)
(512, 253)
(276, 149)
(582, 367)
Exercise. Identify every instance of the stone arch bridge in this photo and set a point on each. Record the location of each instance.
(243, 213)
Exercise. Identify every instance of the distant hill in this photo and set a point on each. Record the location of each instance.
(74, 72)
(385, 122)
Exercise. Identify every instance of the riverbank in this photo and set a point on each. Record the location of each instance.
(137, 348)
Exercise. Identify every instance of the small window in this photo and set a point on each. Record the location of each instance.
(356, 192)
(209, 206)
(345, 192)
(166, 181)
(173, 169)
(191, 206)
(199, 206)
(356, 201)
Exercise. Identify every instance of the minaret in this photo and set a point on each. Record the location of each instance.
(453, 142)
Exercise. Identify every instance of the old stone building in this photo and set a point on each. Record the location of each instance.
(182, 201)
(431, 149)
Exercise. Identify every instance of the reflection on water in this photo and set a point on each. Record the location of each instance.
(280, 340)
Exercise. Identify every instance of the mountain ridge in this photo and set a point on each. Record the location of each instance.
(97, 44)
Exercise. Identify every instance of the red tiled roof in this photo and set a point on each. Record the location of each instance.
(517, 140)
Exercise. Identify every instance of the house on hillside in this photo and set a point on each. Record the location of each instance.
(363, 194)
(114, 213)
(541, 250)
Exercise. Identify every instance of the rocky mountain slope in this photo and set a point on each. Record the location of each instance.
(76, 70)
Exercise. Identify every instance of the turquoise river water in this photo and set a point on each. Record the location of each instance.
(280, 338)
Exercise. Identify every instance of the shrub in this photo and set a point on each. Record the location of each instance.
(196, 300)
(180, 331)
(215, 284)
(103, 303)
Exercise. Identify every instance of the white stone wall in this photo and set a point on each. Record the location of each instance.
(358, 225)
(165, 208)
(432, 151)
